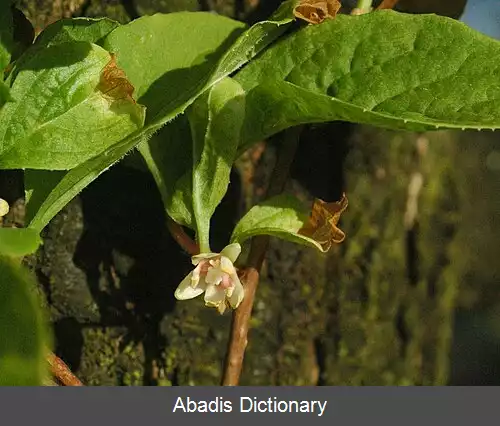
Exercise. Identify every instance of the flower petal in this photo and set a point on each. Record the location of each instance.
(238, 292)
(214, 276)
(214, 295)
(232, 251)
(197, 258)
(226, 266)
(186, 291)
(4, 207)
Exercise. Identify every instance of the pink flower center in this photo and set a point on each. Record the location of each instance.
(226, 282)
(204, 266)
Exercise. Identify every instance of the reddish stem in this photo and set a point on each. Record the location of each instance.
(238, 337)
(387, 4)
(180, 236)
(62, 372)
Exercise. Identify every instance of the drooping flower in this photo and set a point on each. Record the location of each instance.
(215, 275)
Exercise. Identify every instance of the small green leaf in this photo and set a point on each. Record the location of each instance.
(18, 242)
(415, 72)
(216, 119)
(281, 216)
(24, 338)
(62, 115)
(194, 185)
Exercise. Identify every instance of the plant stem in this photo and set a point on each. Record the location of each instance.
(362, 7)
(62, 372)
(365, 5)
(238, 337)
(180, 236)
(387, 4)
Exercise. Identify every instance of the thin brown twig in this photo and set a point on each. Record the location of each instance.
(387, 4)
(238, 337)
(180, 236)
(62, 372)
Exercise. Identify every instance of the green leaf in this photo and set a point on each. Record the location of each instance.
(77, 179)
(4, 93)
(62, 114)
(76, 29)
(257, 38)
(169, 157)
(281, 216)
(194, 184)
(24, 338)
(216, 121)
(65, 31)
(18, 242)
(239, 53)
(170, 57)
(415, 72)
(38, 184)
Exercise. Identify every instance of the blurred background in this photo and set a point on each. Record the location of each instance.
(411, 297)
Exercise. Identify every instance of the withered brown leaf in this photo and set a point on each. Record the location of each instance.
(322, 224)
(316, 11)
(114, 83)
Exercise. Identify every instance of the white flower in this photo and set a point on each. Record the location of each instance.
(4, 207)
(215, 276)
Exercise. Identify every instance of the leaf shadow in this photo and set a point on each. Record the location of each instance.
(131, 263)
(180, 85)
(52, 57)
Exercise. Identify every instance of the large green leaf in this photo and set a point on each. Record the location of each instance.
(18, 242)
(385, 68)
(281, 216)
(62, 115)
(39, 183)
(249, 44)
(24, 339)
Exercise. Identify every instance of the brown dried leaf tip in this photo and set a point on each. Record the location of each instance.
(114, 83)
(316, 11)
(322, 224)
